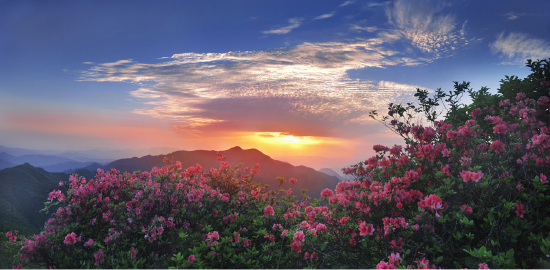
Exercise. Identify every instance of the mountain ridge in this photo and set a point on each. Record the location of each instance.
(308, 178)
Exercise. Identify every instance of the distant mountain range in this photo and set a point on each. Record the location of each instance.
(309, 179)
(49, 163)
(24, 188)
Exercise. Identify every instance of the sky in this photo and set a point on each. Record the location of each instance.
(293, 79)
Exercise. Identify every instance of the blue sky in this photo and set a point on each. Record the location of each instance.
(291, 78)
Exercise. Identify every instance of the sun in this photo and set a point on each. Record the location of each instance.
(285, 138)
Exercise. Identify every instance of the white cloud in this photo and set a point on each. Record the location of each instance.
(294, 23)
(303, 89)
(512, 16)
(517, 47)
(359, 28)
(422, 23)
(347, 3)
(371, 5)
(324, 16)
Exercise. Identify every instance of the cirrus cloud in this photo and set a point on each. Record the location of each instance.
(302, 90)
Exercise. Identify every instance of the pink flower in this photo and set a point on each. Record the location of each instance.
(327, 193)
(468, 175)
(285, 232)
(466, 208)
(384, 265)
(296, 247)
(299, 236)
(71, 239)
(89, 242)
(483, 266)
(292, 180)
(519, 186)
(20, 266)
(247, 242)
(446, 152)
(99, 257)
(364, 230)
(519, 209)
(268, 210)
(12, 236)
(498, 147)
(543, 179)
(289, 191)
(520, 96)
(191, 258)
(133, 253)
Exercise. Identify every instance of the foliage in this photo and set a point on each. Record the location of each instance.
(468, 192)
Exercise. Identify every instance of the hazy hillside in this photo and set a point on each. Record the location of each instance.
(35, 160)
(69, 165)
(23, 191)
(330, 171)
(311, 180)
(5, 164)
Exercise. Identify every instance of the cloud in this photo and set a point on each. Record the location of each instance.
(359, 28)
(294, 23)
(347, 3)
(517, 47)
(512, 16)
(424, 25)
(324, 16)
(372, 5)
(303, 90)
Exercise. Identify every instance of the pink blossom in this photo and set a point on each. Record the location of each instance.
(71, 239)
(520, 96)
(483, 266)
(133, 253)
(364, 230)
(384, 265)
(89, 242)
(327, 193)
(12, 236)
(292, 180)
(498, 147)
(191, 258)
(466, 208)
(99, 257)
(268, 210)
(299, 236)
(519, 209)
(543, 179)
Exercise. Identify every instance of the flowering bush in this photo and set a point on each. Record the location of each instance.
(461, 193)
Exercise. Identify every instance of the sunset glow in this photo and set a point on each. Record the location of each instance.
(295, 80)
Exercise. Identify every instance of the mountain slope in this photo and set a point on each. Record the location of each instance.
(5, 164)
(309, 179)
(330, 171)
(64, 166)
(23, 191)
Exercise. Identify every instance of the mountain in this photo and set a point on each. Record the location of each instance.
(35, 160)
(69, 165)
(23, 191)
(330, 171)
(309, 179)
(5, 164)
